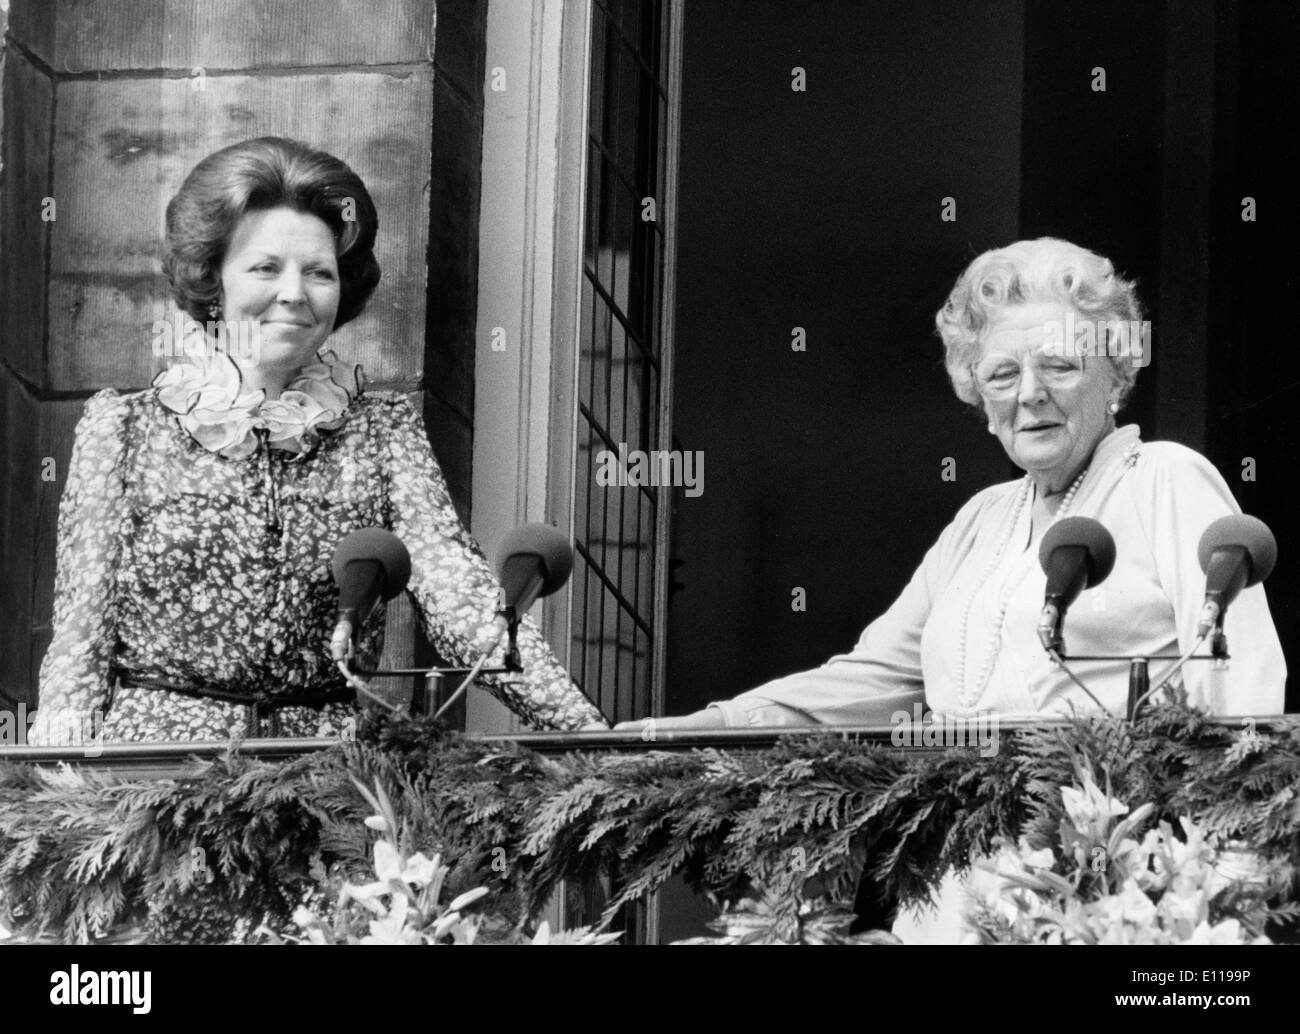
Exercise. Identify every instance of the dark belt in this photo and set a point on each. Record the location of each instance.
(257, 702)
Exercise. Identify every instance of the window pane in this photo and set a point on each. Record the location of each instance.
(619, 382)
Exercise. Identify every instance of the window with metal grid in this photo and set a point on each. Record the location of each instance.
(621, 358)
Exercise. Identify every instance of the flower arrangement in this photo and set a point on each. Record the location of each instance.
(234, 843)
(403, 905)
(1112, 883)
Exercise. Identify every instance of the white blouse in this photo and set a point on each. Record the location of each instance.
(934, 642)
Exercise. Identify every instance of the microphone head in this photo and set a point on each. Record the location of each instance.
(1083, 532)
(549, 545)
(379, 545)
(1251, 534)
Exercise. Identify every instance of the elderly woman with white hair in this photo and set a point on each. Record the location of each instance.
(962, 637)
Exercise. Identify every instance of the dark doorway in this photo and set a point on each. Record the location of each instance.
(822, 210)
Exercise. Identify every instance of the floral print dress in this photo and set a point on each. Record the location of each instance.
(195, 536)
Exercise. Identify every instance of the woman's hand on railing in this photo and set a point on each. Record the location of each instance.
(708, 718)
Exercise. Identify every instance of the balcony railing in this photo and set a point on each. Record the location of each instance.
(733, 810)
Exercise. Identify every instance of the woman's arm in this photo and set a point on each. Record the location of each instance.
(74, 673)
(1179, 494)
(455, 592)
(881, 675)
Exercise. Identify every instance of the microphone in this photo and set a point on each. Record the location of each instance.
(369, 565)
(1235, 552)
(1077, 553)
(533, 560)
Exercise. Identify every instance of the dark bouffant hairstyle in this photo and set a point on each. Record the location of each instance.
(269, 172)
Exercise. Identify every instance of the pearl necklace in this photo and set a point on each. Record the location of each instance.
(966, 696)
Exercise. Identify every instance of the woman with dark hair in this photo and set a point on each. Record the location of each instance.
(193, 598)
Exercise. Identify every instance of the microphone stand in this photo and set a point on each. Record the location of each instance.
(1139, 679)
(1139, 685)
(433, 676)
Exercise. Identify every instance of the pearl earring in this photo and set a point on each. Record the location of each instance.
(992, 429)
(214, 311)
(1114, 407)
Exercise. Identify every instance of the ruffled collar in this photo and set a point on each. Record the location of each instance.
(211, 404)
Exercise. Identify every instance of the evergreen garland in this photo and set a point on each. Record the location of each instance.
(238, 842)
